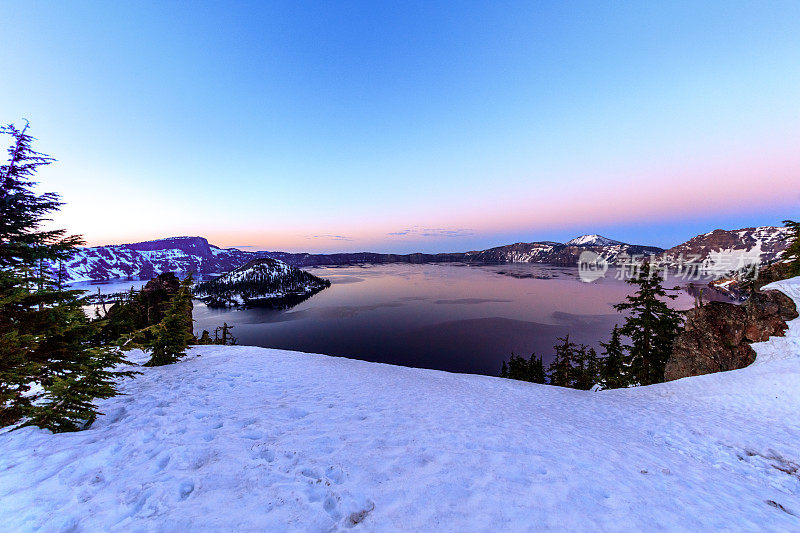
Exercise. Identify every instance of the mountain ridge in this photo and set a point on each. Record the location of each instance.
(187, 253)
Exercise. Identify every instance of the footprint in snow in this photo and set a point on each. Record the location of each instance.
(335, 474)
(297, 413)
(185, 489)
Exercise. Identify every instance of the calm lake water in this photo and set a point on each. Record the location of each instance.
(450, 317)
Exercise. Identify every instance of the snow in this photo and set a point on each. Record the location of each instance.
(719, 263)
(243, 438)
(593, 240)
(264, 269)
(777, 348)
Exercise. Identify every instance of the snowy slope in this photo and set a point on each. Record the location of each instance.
(592, 240)
(768, 241)
(148, 259)
(254, 439)
(777, 348)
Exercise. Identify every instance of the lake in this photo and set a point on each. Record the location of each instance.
(450, 317)
(454, 317)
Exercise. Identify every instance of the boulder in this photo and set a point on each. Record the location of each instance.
(716, 336)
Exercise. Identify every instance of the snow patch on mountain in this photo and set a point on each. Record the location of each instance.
(147, 259)
(768, 242)
(593, 240)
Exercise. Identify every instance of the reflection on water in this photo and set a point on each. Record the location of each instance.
(448, 317)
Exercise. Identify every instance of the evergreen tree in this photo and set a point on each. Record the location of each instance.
(793, 251)
(577, 370)
(174, 332)
(523, 370)
(536, 370)
(517, 368)
(23, 242)
(560, 369)
(51, 362)
(651, 325)
(589, 374)
(80, 371)
(613, 374)
(16, 367)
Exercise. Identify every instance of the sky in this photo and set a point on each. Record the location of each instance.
(408, 126)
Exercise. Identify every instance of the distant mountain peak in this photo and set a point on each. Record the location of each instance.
(593, 240)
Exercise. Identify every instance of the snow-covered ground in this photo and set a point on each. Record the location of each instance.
(252, 439)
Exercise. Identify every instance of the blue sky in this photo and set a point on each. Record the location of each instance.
(409, 126)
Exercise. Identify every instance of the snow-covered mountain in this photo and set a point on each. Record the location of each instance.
(255, 439)
(148, 259)
(264, 281)
(560, 254)
(769, 241)
(183, 254)
(593, 240)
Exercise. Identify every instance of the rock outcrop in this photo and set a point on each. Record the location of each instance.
(717, 336)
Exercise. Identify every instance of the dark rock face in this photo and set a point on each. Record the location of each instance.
(732, 286)
(190, 245)
(717, 336)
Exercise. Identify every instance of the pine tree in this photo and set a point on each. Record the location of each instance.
(613, 373)
(79, 371)
(577, 370)
(591, 374)
(536, 370)
(517, 368)
(48, 347)
(16, 368)
(651, 325)
(523, 370)
(23, 242)
(793, 251)
(174, 332)
(560, 369)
